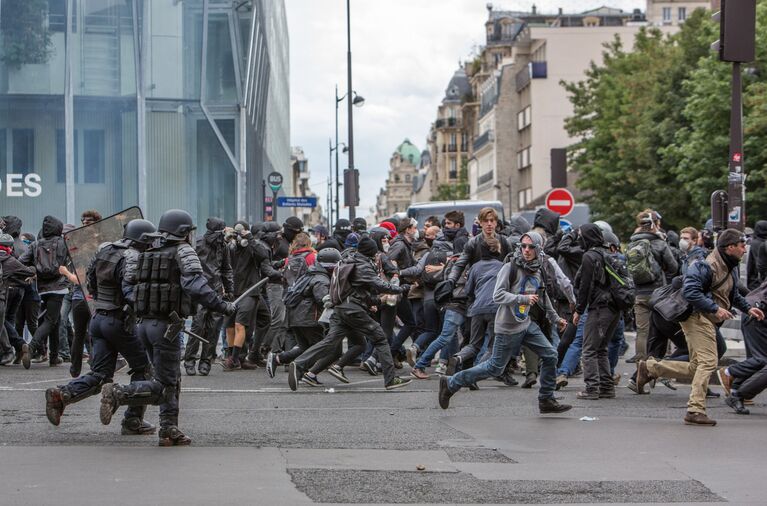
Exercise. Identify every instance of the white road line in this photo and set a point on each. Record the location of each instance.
(64, 380)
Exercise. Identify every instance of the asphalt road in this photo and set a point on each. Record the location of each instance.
(256, 442)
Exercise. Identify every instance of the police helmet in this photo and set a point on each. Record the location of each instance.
(176, 222)
(328, 257)
(139, 231)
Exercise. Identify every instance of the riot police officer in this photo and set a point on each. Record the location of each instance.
(165, 280)
(111, 329)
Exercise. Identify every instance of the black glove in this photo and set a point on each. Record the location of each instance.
(405, 288)
(229, 308)
(228, 296)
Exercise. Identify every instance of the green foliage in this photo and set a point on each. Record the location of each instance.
(653, 126)
(456, 191)
(26, 38)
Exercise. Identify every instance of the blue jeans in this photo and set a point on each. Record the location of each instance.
(573, 355)
(614, 347)
(506, 347)
(446, 339)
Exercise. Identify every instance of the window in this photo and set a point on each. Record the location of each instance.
(3, 151)
(23, 150)
(523, 158)
(464, 141)
(524, 118)
(529, 195)
(682, 13)
(453, 169)
(93, 156)
(667, 14)
(521, 198)
(396, 178)
(57, 14)
(61, 157)
(453, 139)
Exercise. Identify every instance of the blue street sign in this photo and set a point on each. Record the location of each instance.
(565, 225)
(296, 201)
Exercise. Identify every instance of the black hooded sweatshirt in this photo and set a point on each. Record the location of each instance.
(215, 257)
(591, 285)
(754, 276)
(13, 227)
(50, 233)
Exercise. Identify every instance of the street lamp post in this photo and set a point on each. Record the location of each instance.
(350, 177)
(358, 101)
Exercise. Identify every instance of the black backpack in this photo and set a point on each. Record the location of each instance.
(296, 267)
(340, 281)
(297, 291)
(46, 258)
(619, 280)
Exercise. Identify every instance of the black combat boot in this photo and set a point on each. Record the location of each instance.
(189, 368)
(172, 436)
(203, 368)
(135, 426)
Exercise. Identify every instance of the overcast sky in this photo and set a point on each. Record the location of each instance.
(404, 53)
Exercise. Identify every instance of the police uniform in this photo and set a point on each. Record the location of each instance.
(166, 278)
(112, 332)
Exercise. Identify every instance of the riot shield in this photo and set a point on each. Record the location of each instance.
(83, 242)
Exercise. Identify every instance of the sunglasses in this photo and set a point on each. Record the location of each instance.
(527, 246)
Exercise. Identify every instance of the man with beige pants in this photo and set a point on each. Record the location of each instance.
(710, 288)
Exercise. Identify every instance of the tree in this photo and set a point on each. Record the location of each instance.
(26, 38)
(455, 191)
(652, 126)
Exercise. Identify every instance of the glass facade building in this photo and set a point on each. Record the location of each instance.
(106, 104)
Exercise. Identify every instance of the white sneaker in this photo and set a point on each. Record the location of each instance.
(441, 369)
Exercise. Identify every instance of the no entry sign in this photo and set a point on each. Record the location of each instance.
(561, 201)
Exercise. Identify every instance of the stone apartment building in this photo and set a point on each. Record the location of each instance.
(299, 166)
(395, 197)
(521, 105)
(674, 12)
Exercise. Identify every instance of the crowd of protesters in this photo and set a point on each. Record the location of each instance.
(408, 301)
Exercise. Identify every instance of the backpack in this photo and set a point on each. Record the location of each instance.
(297, 291)
(619, 280)
(340, 282)
(46, 259)
(296, 267)
(642, 266)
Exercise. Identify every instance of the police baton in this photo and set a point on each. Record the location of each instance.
(250, 290)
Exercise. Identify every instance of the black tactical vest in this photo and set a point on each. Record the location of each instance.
(158, 288)
(109, 295)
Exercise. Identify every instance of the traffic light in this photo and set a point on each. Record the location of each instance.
(351, 188)
(737, 31)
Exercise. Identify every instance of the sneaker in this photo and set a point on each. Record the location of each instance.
(293, 375)
(121, 364)
(370, 367)
(39, 359)
(411, 355)
(441, 369)
(561, 381)
(607, 394)
(668, 383)
(55, 361)
(419, 374)
(398, 382)
(698, 419)
(230, 365)
(172, 436)
(248, 365)
(54, 405)
(507, 379)
(338, 373)
(26, 359)
(203, 368)
(109, 403)
(136, 427)
(735, 402)
(710, 394)
(632, 360)
(271, 364)
(588, 396)
(473, 387)
(616, 379)
(7, 357)
(643, 376)
(312, 381)
(724, 380)
(748, 402)
(530, 379)
(189, 368)
(633, 387)
(551, 405)
(444, 393)
(452, 365)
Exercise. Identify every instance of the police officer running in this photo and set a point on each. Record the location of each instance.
(165, 278)
(111, 330)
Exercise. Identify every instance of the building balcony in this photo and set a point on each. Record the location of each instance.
(482, 140)
(452, 148)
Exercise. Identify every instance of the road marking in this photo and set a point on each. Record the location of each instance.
(64, 380)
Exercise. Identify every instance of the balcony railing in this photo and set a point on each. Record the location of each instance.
(481, 140)
(452, 148)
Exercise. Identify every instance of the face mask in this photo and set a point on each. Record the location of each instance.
(684, 245)
(314, 240)
(386, 247)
